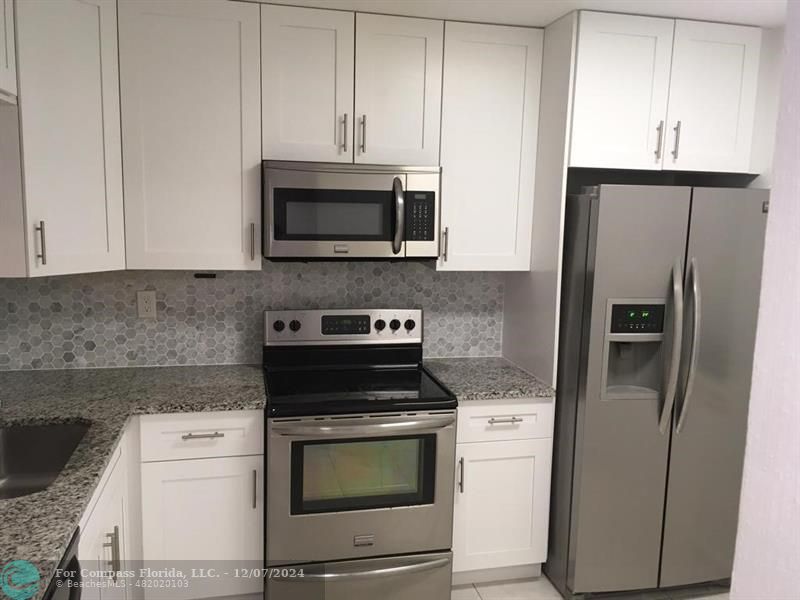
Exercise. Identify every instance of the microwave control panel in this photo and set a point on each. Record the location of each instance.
(420, 216)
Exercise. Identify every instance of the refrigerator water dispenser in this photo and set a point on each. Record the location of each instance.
(633, 356)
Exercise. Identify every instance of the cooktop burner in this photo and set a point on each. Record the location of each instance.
(344, 362)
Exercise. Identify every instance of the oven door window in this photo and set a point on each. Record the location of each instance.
(319, 214)
(362, 473)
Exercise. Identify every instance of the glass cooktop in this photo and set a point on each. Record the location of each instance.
(341, 391)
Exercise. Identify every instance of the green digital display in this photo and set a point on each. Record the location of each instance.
(637, 318)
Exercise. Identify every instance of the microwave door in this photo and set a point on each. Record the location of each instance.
(318, 214)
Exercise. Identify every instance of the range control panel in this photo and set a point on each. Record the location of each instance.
(420, 215)
(637, 318)
(342, 326)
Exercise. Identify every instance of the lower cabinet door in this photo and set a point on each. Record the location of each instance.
(502, 499)
(205, 514)
(101, 550)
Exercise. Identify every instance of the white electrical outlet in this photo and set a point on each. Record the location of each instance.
(146, 304)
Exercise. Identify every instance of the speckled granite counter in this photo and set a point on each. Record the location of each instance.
(39, 526)
(487, 379)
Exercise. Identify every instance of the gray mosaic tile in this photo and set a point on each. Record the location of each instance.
(91, 321)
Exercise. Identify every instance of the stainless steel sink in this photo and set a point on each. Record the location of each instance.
(32, 456)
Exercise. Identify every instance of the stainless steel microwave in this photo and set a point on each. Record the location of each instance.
(321, 210)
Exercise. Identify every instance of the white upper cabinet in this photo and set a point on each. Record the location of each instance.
(8, 63)
(398, 90)
(307, 83)
(712, 97)
(621, 90)
(191, 131)
(69, 126)
(659, 94)
(490, 111)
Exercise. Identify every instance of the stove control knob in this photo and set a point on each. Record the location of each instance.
(409, 324)
(279, 325)
(394, 324)
(294, 325)
(380, 324)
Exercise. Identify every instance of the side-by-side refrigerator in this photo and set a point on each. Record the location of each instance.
(659, 305)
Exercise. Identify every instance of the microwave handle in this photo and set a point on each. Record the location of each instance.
(400, 215)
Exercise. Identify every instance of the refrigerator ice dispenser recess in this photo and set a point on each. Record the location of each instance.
(633, 354)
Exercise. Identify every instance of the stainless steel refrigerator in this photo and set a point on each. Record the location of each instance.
(659, 304)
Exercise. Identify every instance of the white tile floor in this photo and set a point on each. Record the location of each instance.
(527, 589)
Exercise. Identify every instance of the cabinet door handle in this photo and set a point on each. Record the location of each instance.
(42, 242)
(252, 241)
(461, 475)
(509, 421)
(344, 133)
(445, 242)
(677, 130)
(113, 544)
(363, 134)
(201, 436)
(255, 487)
(660, 130)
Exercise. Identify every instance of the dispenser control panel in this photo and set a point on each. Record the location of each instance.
(637, 318)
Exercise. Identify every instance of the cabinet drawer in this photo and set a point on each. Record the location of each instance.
(202, 435)
(495, 420)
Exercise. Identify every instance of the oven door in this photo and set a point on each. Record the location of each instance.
(334, 214)
(415, 577)
(359, 486)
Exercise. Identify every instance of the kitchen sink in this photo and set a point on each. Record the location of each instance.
(32, 456)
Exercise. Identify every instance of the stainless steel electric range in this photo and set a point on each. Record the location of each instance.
(360, 458)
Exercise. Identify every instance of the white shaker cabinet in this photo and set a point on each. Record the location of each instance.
(621, 90)
(103, 543)
(712, 97)
(660, 94)
(398, 90)
(70, 217)
(307, 83)
(8, 63)
(191, 131)
(490, 109)
(207, 511)
(502, 494)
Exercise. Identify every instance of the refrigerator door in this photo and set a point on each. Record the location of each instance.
(726, 244)
(636, 236)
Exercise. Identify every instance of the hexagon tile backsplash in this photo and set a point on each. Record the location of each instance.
(91, 320)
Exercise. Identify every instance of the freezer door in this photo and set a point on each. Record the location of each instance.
(636, 236)
(726, 242)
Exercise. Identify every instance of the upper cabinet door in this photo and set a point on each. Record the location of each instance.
(398, 90)
(490, 114)
(69, 113)
(712, 97)
(621, 89)
(191, 123)
(307, 83)
(8, 63)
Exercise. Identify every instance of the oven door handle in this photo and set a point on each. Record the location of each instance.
(331, 574)
(363, 426)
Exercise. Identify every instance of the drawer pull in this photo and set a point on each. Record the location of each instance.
(201, 436)
(509, 421)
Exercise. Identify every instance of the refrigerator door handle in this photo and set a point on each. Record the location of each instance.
(675, 358)
(696, 316)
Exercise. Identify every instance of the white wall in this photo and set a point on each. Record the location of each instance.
(767, 563)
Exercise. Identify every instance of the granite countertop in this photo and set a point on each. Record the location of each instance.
(487, 379)
(38, 527)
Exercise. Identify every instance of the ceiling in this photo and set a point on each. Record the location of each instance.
(538, 13)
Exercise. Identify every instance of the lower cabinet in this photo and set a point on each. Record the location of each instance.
(203, 510)
(103, 543)
(502, 493)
